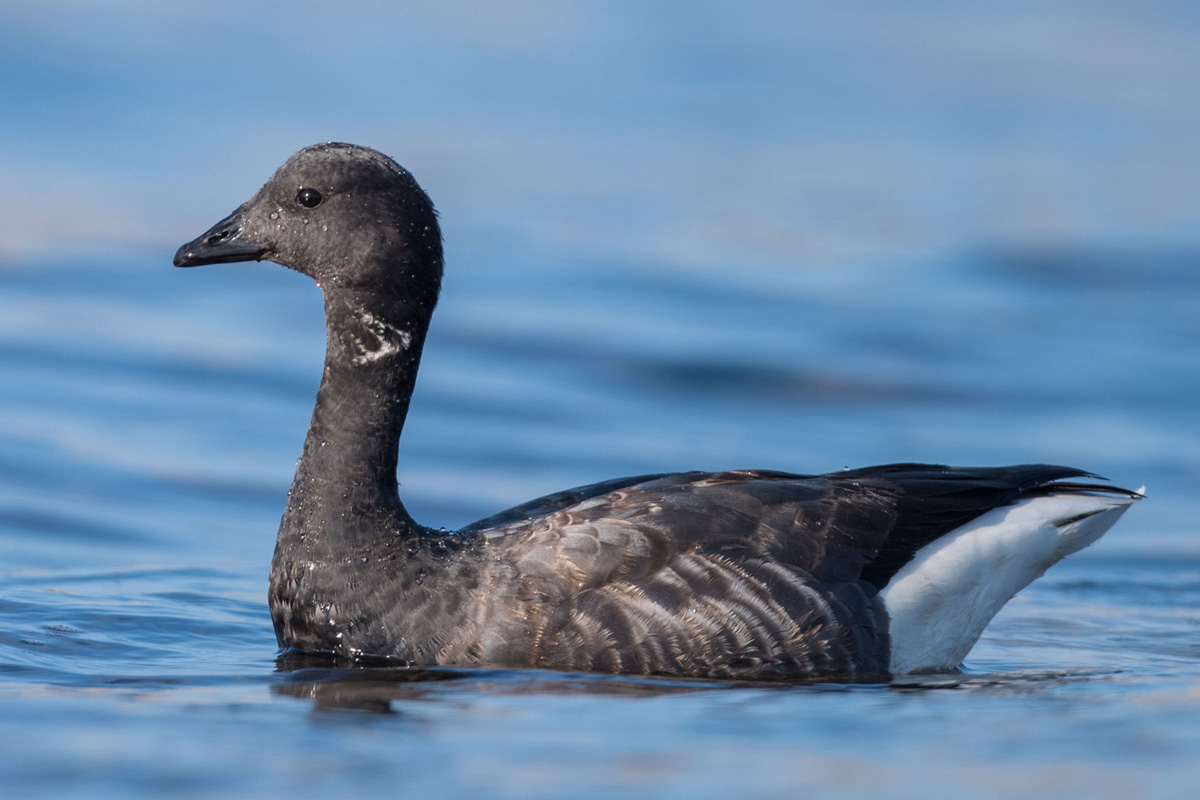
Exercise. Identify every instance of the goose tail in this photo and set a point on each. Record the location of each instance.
(939, 603)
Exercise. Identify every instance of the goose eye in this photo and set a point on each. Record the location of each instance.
(309, 198)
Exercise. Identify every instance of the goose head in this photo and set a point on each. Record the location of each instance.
(347, 216)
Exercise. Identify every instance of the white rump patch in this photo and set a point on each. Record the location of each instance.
(390, 340)
(941, 601)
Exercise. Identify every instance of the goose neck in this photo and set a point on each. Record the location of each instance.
(349, 459)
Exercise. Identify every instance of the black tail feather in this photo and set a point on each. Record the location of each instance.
(933, 500)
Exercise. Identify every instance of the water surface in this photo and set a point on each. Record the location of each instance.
(680, 239)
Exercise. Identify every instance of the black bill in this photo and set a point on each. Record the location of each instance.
(220, 244)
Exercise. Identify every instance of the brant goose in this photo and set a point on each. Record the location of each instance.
(740, 574)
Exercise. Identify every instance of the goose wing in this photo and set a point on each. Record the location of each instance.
(855, 524)
(740, 573)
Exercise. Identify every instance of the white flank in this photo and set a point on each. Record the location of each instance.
(941, 601)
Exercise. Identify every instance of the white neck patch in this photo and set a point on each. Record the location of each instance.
(389, 340)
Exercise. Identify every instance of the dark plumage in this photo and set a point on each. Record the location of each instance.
(730, 574)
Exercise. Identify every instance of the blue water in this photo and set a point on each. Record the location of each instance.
(679, 237)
